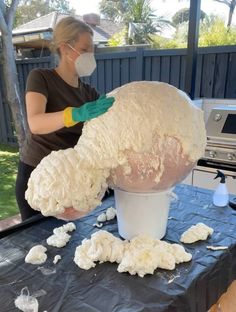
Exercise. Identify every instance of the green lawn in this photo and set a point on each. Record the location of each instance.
(8, 169)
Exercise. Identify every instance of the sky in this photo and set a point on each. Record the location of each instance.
(165, 8)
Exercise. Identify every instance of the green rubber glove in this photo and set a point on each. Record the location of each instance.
(87, 111)
(92, 109)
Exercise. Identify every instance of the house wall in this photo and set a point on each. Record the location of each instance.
(215, 76)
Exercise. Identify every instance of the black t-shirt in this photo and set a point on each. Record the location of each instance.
(59, 95)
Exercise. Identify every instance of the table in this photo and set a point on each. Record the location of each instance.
(191, 287)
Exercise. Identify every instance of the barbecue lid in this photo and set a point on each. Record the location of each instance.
(221, 124)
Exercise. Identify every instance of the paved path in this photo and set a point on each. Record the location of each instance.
(10, 222)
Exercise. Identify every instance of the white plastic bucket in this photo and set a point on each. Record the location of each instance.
(142, 213)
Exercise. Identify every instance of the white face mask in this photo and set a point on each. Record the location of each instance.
(85, 63)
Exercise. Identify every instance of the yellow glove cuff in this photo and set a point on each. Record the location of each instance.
(67, 117)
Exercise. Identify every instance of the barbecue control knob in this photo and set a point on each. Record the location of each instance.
(231, 156)
(212, 154)
(217, 117)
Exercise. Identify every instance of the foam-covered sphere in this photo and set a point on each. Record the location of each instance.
(148, 141)
(142, 175)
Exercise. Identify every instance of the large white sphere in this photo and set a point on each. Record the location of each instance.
(148, 141)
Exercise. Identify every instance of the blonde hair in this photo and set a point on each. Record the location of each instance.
(68, 30)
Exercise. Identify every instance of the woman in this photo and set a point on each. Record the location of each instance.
(58, 102)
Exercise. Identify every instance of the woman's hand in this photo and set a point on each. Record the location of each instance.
(87, 111)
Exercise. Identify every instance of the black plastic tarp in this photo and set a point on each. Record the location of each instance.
(191, 287)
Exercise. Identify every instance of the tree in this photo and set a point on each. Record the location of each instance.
(117, 39)
(183, 16)
(231, 4)
(215, 33)
(142, 21)
(28, 10)
(10, 78)
(114, 10)
(137, 16)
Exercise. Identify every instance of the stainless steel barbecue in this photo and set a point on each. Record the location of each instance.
(221, 137)
(220, 152)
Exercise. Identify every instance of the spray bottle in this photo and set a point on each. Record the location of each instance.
(221, 195)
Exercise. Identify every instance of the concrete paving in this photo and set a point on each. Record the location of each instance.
(10, 222)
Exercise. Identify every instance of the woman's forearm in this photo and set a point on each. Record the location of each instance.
(46, 122)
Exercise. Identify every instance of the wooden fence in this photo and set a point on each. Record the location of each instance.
(215, 76)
